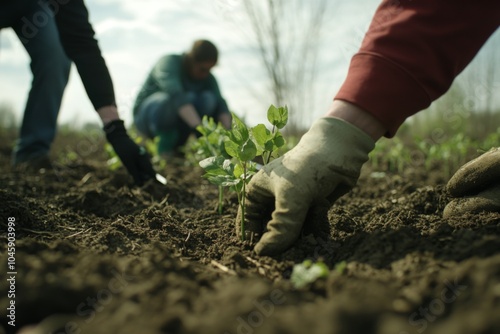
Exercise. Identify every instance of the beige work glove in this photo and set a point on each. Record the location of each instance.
(324, 165)
(476, 186)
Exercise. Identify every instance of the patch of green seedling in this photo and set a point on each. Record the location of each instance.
(209, 144)
(244, 145)
(151, 147)
(308, 272)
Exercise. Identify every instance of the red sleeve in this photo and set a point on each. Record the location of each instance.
(412, 52)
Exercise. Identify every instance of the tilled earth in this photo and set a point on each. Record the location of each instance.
(95, 255)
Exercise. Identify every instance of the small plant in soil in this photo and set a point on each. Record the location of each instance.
(150, 145)
(308, 272)
(209, 144)
(244, 145)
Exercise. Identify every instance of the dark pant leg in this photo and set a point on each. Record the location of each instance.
(156, 115)
(205, 103)
(50, 67)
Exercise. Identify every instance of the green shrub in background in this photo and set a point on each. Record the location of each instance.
(447, 151)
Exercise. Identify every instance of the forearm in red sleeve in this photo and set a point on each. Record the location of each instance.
(412, 52)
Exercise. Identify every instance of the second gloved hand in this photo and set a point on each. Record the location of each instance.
(475, 186)
(324, 165)
(134, 158)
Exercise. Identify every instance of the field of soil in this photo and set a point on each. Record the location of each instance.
(95, 255)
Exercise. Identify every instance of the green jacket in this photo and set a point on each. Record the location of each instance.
(169, 76)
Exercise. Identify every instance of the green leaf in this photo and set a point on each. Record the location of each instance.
(261, 134)
(244, 152)
(222, 180)
(213, 165)
(113, 163)
(228, 166)
(263, 138)
(248, 151)
(238, 171)
(239, 131)
(307, 272)
(217, 166)
(277, 116)
(341, 267)
(278, 140)
(231, 147)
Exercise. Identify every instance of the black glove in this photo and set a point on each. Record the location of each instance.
(133, 157)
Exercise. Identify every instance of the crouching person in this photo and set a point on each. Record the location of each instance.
(178, 92)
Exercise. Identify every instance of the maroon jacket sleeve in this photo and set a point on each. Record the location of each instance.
(412, 52)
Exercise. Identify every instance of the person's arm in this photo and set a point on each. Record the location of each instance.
(188, 114)
(409, 57)
(357, 117)
(411, 54)
(222, 113)
(77, 38)
(225, 119)
(167, 75)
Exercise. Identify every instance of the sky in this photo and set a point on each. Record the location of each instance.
(133, 35)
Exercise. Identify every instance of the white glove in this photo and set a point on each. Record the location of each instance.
(324, 165)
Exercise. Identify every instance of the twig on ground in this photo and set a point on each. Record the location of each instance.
(77, 233)
(223, 267)
(257, 263)
(84, 179)
(37, 232)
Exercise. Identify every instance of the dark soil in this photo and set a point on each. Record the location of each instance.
(95, 255)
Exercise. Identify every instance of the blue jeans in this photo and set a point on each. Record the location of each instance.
(157, 116)
(34, 24)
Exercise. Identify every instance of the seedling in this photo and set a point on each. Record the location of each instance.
(308, 272)
(270, 141)
(243, 145)
(210, 143)
(151, 147)
(113, 162)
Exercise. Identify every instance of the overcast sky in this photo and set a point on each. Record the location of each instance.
(134, 34)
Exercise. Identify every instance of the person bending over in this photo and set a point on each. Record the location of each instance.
(177, 93)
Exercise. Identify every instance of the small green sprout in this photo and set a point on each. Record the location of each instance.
(150, 146)
(210, 143)
(235, 175)
(308, 272)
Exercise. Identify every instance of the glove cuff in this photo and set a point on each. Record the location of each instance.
(339, 140)
(336, 129)
(114, 128)
(338, 144)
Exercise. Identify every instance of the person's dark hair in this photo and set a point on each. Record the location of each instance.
(203, 50)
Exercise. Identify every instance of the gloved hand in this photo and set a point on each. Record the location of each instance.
(324, 165)
(475, 186)
(134, 158)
